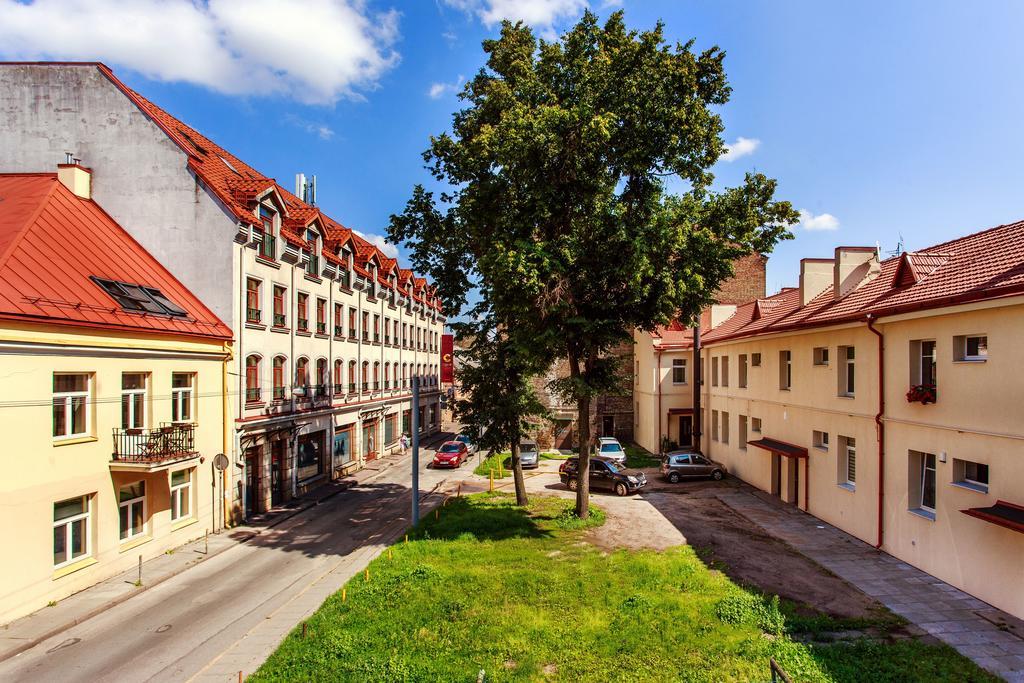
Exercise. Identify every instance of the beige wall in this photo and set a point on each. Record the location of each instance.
(40, 470)
(977, 417)
(653, 372)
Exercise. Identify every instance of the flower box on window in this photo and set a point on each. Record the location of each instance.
(922, 393)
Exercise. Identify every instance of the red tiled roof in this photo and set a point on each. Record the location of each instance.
(52, 242)
(985, 265)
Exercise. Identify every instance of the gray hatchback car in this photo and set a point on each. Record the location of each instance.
(529, 458)
(677, 465)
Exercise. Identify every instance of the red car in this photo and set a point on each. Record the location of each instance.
(451, 454)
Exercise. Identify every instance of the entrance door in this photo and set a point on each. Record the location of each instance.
(370, 440)
(252, 480)
(793, 480)
(685, 431)
(276, 472)
(608, 425)
(776, 474)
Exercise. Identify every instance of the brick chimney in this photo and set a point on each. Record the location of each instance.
(815, 277)
(853, 267)
(75, 177)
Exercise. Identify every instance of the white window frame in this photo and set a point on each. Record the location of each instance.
(66, 524)
(129, 504)
(785, 370)
(821, 440)
(961, 344)
(180, 491)
(961, 479)
(755, 425)
(924, 477)
(741, 381)
(131, 394)
(183, 396)
(848, 370)
(67, 397)
(847, 454)
(821, 356)
(678, 364)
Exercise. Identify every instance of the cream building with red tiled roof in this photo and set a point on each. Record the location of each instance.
(885, 398)
(329, 332)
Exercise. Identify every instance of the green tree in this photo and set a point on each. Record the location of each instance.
(556, 207)
(499, 400)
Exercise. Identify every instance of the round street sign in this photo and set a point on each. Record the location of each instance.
(220, 461)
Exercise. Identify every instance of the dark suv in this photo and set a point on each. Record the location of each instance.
(604, 475)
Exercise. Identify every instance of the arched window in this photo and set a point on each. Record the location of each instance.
(322, 377)
(279, 378)
(301, 373)
(366, 375)
(376, 375)
(252, 378)
(387, 375)
(352, 377)
(339, 370)
(405, 375)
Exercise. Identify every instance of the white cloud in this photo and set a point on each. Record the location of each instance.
(388, 249)
(741, 148)
(823, 221)
(321, 130)
(439, 90)
(315, 52)
(542, 14)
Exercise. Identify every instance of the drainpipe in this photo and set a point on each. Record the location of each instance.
(657, 376)
(880, 426)
(697, 421)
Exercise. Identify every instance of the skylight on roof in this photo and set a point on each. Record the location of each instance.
(140, 299)
(229, 164)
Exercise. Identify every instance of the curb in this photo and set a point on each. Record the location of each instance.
(29, 644)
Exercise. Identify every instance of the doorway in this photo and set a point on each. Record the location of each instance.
(608, 425)
(277, 472)
(792, 480)
(776, 475)
(370, 440)
(252, 480)
(686, 431)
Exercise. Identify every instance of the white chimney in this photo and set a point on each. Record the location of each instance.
(854, 266)
(815, 277)
(76, 178)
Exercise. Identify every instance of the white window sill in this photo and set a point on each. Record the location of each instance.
(847, 486)
(971, 360)
(849, 396)
(823, 449)
(971, 486)
(679, 384)
(921, 512)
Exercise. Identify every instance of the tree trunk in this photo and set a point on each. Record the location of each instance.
(583, 471)
(517, 474)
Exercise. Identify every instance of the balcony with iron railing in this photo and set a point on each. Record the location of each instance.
(152, 449)
(303, 325)
(253, 315)
(351, 333)
(339, 389)
(252, 394)
(351, 387)
(279, 320)
(366, 386)
(338, 331)
(278, 393)
(321, 328)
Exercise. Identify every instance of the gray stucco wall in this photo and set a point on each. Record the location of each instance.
(139, 176)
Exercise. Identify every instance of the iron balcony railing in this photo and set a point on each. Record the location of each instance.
(169, 441)
(252, 394)
(339, 389)
(352, 333)
(303, 325)
(278, 393)
(321, 328)
(366, 386)
(253, 315)
(351, 387)
(279, 320)
(338, 331)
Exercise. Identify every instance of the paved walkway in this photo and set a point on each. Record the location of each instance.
(990, 637)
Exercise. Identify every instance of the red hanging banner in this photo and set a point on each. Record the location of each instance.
(447, 357)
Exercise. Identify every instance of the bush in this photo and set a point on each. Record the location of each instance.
(748, 608)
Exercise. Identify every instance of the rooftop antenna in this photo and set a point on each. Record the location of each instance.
(312, 191)
(68, 157)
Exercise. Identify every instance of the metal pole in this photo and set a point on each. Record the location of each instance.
(415, 449)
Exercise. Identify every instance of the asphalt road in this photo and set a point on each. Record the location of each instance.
(174, 630)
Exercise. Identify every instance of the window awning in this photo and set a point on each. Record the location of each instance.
(1002, 513)
(780, 447)
(680, 411)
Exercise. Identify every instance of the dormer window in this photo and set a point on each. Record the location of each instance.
(345, 270)
(313, 262)
(264, 233)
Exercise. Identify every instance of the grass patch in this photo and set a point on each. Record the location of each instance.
(640, 457)
(519, 594)
(501, 463)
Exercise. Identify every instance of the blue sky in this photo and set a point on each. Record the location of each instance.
(893, 118)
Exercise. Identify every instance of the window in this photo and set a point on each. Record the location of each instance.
(755, 425)
(820, 440)
(743, 371)
(71, 533)
(755, 360)
(252, 300)
(312, 264)
(71, 405)
(785, 370)
(725, 427)
(351, 322)
(376, 375)
(321, 316)
(922, 483)
(181, 494)
(971, 475)
(252, 378)
(971, 347)
(140, 299)
(278, 378)
(301, 374)
(725, 371)
(366, 375)
(847, 462)
(351, 377)
(922, 362)
(821, 355)
(743, 432)
(344, 270)
(182, 386)
(714, 425)
(678, 371)
(133, 400)
(714, 371)
(280, 317)
(265, 233)
(366, 326)
(376, 327)
(322, 378)
(302, 312)
(847, 374)
(131, 509)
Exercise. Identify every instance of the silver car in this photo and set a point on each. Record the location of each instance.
(678, 465)
(470, 446)
(529, 457)
(610, 449)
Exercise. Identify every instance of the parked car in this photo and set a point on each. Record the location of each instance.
(470, 446)
(450, 454)
(529, 457)
(605, 475)
(678, 465)
(610, 449)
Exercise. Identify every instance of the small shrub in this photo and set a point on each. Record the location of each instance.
(748, 608)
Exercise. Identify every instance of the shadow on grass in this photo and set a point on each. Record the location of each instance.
(497, 519)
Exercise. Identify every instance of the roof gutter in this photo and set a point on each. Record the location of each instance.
(880, 427)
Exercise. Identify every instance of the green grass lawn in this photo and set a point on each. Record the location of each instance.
(504, 459)
(640, 457)
(519, 595)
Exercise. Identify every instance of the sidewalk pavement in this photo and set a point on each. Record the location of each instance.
(27, 632)
(992, 638)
